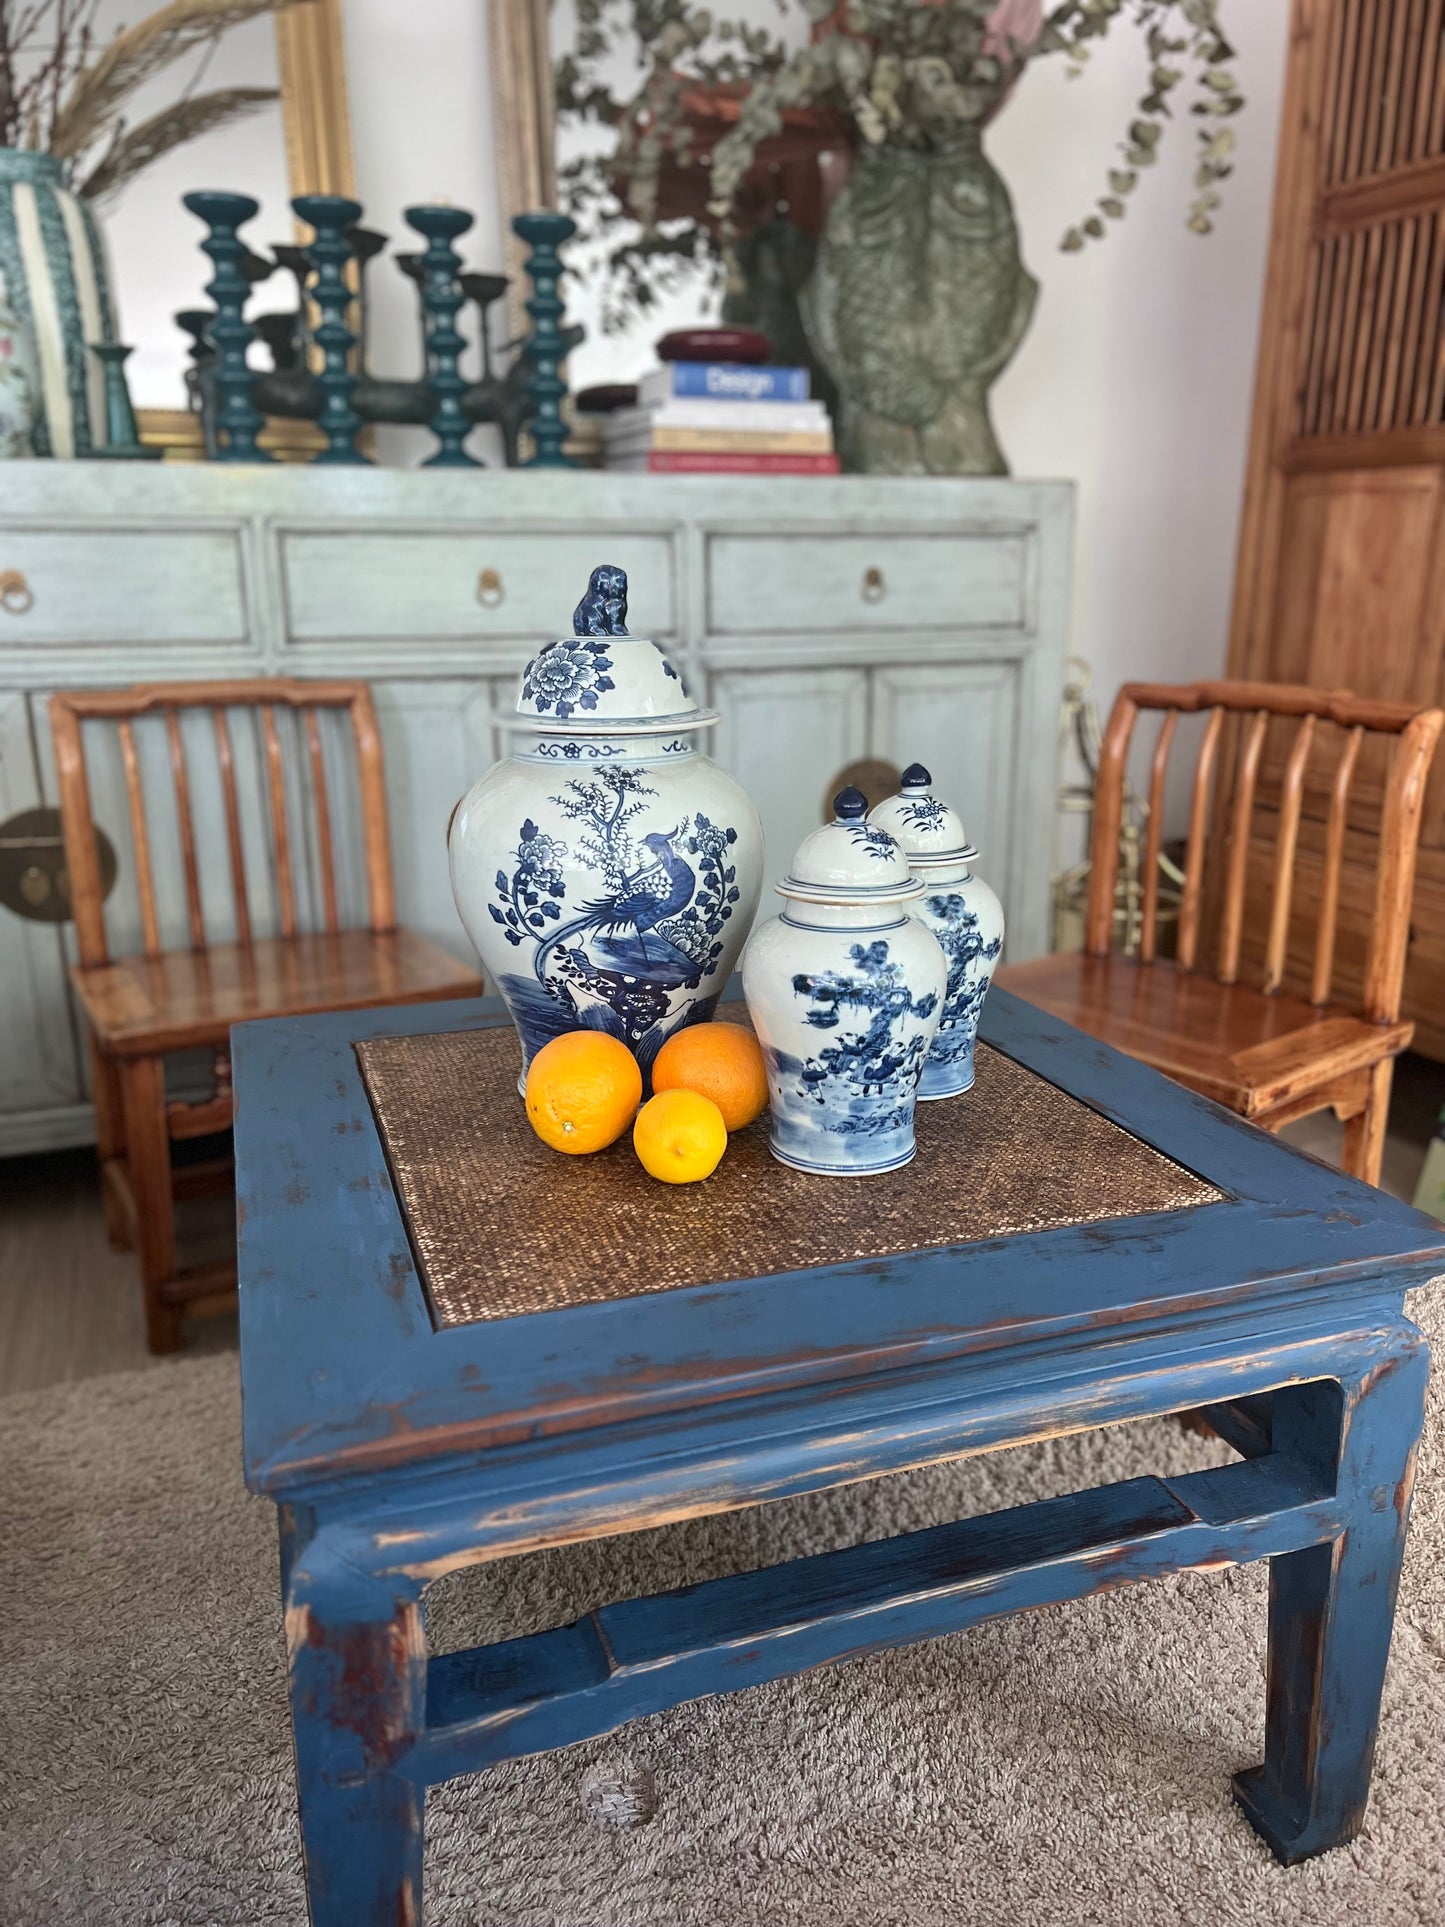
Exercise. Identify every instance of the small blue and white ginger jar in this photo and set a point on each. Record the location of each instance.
(607, 871)
(844, 990)
(962, 912)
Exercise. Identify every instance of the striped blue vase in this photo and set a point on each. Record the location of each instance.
(54, 270)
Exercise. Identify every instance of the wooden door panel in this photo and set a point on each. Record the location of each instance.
(1354, 564)
(1341, 577)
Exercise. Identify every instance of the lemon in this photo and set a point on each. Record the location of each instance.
(680, 1136)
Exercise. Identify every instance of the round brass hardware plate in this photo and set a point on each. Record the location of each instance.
(871, 774)
(874, 587)
(16, 596)
(490, 592)
(34, 882)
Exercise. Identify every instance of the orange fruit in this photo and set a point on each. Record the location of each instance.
(583, 1090)
(723, 1062)
(679, 1136)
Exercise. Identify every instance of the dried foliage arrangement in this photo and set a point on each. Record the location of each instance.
(64, 91)
(910, 73)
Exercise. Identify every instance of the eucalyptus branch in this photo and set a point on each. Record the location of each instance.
(902, 73)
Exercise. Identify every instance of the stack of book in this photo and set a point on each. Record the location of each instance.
(722, 418)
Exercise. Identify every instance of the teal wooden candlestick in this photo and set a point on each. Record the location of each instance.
(331, 215)
(544, 233)
(237, 418)
(442, 295)
(122, 437)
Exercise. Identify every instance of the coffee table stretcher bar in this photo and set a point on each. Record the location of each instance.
(398, 1452)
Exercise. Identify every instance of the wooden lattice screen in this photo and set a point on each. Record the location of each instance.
(1372, 334)
(1341, 572)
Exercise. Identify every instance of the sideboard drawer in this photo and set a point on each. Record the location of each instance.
(474, 584)
(106, 585)
(793, 582)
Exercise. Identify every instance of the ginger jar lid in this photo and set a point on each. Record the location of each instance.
(930, 830)
(849, 861)
(601, 681)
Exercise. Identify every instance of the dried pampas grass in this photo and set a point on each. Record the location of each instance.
(133, 57)
(201, 114)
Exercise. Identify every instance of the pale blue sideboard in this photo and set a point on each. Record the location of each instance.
(827, 620)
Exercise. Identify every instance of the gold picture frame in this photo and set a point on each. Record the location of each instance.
(316, 121)
(524, 116)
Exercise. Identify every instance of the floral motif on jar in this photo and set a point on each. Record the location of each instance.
(566, 676)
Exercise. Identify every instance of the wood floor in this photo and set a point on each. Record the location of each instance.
(70, 1306)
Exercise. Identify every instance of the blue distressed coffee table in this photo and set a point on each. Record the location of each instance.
(456, 1346)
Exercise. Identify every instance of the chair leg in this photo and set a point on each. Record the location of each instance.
(1365, 1133)
(148, 1150)
(109, 1144)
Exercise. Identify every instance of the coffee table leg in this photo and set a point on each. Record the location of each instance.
(357, 1662)
(1332, 1606)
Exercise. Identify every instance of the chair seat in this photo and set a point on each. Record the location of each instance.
(1253, 1053)
(140, 1005)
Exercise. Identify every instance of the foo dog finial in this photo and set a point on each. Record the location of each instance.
(603, 610)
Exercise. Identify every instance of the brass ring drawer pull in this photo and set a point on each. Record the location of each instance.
(16, 598)
(874, 587)
(490, 592)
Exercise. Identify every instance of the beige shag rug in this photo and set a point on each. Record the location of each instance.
(1069, 1768)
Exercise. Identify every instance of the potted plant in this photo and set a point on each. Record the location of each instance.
(913, 294)
(65, 144)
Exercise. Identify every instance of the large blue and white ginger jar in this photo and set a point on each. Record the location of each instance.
(607, 871)
(844, 990)
(962, 912)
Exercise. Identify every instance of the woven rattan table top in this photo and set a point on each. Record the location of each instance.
(501, 1226)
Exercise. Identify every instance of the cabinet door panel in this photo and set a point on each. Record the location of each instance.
(38, 1063)
(961, 721)
(438, 739)
(785, 734)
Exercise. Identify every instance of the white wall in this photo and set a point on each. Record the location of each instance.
(1134, 380)
(1136, 377)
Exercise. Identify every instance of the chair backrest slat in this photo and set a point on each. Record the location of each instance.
(288, 787)
(1324, 967)
(1154, 838)
(280, 837)
(140, 842)
(234, 843)
(1188, 946)
(1400, 836)
(323, 821)
(1231, 927)
(367, 736)
(1414, 732)
(195, 914)
(82, 854)
(1290, 804)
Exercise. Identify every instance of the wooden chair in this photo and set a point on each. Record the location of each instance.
(1282, 1050)
(260, 787)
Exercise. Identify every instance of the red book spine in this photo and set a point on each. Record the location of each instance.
(664, 461)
